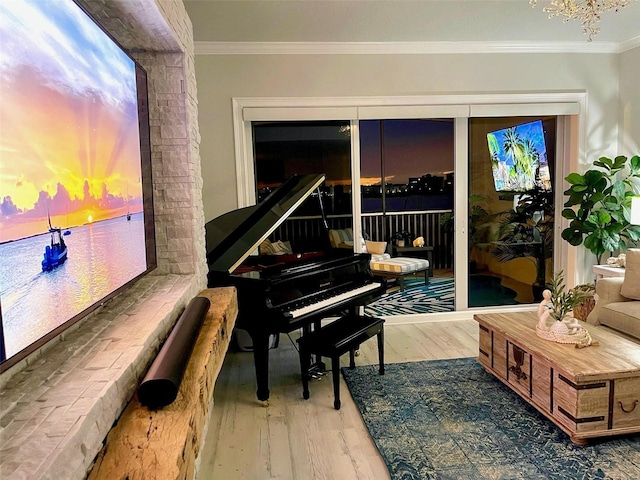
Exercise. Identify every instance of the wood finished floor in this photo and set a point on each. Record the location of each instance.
(301, 439)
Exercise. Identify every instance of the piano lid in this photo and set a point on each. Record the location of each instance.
(232, 237)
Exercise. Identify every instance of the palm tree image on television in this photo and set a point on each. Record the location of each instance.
(519, 158)
(75, 176)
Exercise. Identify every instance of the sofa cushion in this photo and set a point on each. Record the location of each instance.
(622, 316)
(631, 283)
(400, 265)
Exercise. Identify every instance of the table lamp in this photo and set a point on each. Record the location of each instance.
(635, 211)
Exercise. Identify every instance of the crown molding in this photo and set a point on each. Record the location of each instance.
(407, 48)
(629, 44)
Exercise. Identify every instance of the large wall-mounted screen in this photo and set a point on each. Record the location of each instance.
(76, 212)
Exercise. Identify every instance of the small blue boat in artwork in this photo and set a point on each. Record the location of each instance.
(55, 254)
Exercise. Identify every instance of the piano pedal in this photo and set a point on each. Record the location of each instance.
(317, 371)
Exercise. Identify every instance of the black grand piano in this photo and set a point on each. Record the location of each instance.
(279, 294)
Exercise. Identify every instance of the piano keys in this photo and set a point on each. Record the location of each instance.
(279, 294)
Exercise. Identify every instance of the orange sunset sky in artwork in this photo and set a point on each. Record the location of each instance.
(69, 133)
(73, 156)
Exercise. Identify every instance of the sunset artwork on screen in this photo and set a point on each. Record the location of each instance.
(71, 180)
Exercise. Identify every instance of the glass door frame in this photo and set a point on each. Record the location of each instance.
(570, 107)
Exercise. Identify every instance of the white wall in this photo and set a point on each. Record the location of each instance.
(630, 102)
(221, 77)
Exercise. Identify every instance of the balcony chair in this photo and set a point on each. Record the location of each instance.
(382, 265)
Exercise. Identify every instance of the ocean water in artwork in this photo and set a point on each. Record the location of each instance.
(102, 256)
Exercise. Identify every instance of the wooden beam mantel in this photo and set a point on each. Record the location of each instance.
(164, 444)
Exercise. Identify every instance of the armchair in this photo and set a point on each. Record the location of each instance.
(618, 299)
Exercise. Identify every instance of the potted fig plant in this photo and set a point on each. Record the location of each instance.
(599, 206)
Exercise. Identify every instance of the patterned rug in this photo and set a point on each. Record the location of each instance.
(417, 297)
(438, 296)
(449, 419)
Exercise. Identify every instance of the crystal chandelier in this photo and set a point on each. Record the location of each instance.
(586, 11)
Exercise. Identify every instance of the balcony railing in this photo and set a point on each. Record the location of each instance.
(308, 233)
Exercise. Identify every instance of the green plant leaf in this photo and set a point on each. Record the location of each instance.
(634, 233)
(572, 236)
(599, 218)
(604, 162)
(592, 177)
(619, 189)
(619, 162)
(594, 244)
(602, 185)
(574, 199)
(610, 243)
(615, 227)
(575, 179)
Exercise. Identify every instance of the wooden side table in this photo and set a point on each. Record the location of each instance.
(607, 271)
(420, 252)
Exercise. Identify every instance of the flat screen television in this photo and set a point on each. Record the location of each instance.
(76, 206)
(519, 158)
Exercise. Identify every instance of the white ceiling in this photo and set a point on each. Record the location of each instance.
(236, 21)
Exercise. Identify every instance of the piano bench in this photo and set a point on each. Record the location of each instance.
(333, 340)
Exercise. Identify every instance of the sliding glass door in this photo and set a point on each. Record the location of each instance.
(511, 209)
(282, 149)
(407, 197)
(478, 186)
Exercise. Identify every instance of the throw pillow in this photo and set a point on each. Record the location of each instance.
(266, 248)
(341, 238)
(281, 248)
(276, 248)
(631, 283)
(376, 248)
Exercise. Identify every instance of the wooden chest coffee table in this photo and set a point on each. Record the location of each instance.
(588, 392)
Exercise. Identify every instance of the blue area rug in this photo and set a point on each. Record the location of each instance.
(449, 419)
(438, 296)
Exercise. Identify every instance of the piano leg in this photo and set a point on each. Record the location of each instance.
(305, 365)
(335, 370)
(261, 363)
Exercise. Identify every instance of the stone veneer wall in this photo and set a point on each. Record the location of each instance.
(57, 406)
